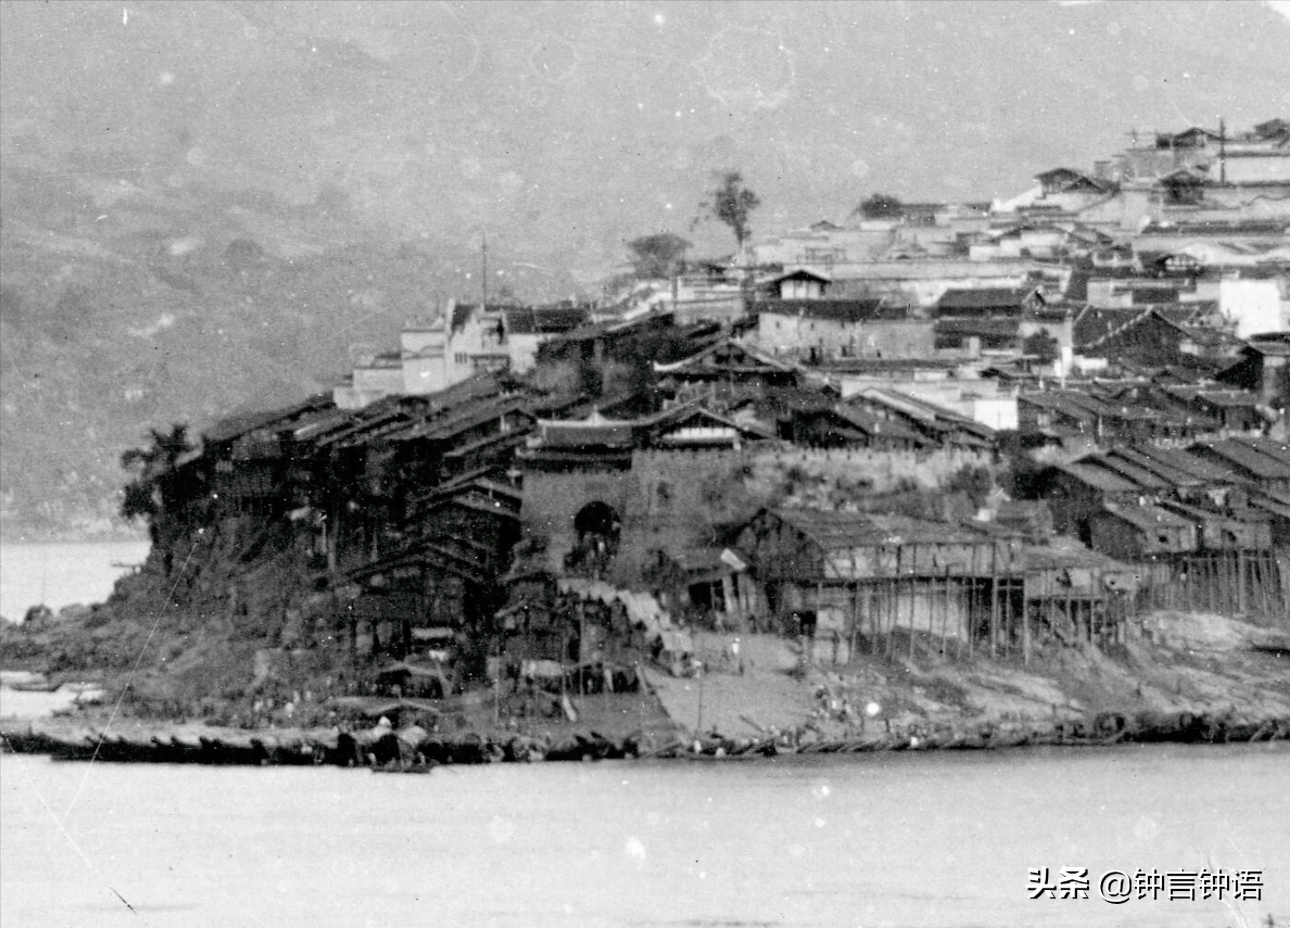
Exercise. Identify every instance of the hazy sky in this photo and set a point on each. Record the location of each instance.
(365, 148)
(563, 129)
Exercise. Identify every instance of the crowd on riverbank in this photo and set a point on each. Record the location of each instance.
(414, 750)
(1188, 678)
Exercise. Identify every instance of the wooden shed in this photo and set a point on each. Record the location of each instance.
(866, 575)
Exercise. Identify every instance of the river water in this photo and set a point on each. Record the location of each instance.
(867, 840)
(942, 840)
(59, 575)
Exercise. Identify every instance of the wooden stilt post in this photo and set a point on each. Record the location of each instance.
(893, 594)
(1242, 581)
(819, 607)
(1223, 564)
(931, 606)
(1257, 603)
(1025, 625)
(871, 615)
(994, 599)
(969, 583)
(1220, 583)
(1230, 584)
(1211, 575)
(1227, 569)
(1190, 583)
(958, 600)
(1202, 593)
(1263, 585)
(1220, 587)
(1071, 623)
(913, 600)
(1099, 598)
(945, 610)
(1278, 604)
(855, 615)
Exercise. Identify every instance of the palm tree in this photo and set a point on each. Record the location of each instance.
(146, 495)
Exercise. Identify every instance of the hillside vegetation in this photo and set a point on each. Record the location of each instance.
(177, 307)
(206, 207)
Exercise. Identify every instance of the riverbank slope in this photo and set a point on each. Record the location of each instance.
(1181, 676)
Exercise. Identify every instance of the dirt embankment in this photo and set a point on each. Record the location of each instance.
(198, 664)
(1178, 663)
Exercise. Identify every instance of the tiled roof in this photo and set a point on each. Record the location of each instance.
(1147, 296)
(1253, 460)
(1065, 554)
(1277, 450)
(1148, 518)
(728, 354)
(1171, 476)
(1197, 515)
(544, 320)
(844, 311)
(1006, 328)
(1140, 318)
(884, 365)
(837, 530)
(1272, 344)
(1099, 478)
(1233, 399)
(982, 298)
(464, 417)
(871, 424)
(1199, 468)
(802, 273)
(1070, 403)
(1273, 505)
(233, 426)
(1095, 322)
(1122, 467)
(461, 313)
(1071, 178)
(929, 414)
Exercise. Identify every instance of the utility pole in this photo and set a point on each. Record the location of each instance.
(483, 282)
(1222, 151)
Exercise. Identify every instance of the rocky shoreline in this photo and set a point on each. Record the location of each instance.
(1183, 678)
(414, 750)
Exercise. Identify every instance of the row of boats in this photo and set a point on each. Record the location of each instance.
(380, 748)
(414, 750)
(1101, 730)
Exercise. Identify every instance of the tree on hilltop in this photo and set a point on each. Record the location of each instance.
(659, 255)
(731, 203)
(881, 206)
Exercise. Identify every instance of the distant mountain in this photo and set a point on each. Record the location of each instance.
(209, 205)
(173, 308)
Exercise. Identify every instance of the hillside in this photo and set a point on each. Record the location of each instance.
(205, 207)
(168, 309)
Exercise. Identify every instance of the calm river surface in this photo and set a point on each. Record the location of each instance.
(869, 840)
(59, 575)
